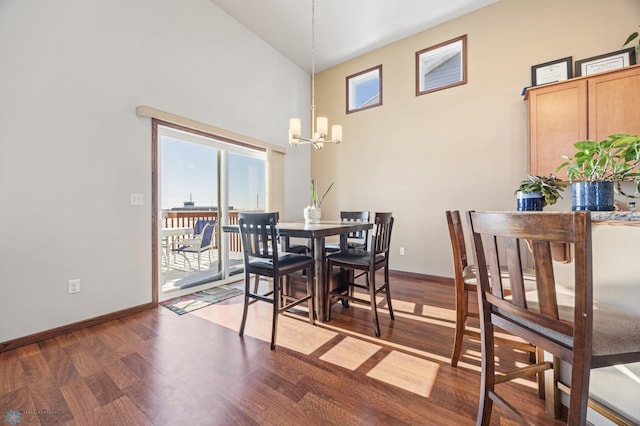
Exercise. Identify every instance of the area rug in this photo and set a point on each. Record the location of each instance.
(191, 302)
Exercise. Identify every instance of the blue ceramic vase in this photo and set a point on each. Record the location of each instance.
(529, 201)
(594, 196)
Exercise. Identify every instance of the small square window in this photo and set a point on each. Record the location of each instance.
(364, 89)
(441, 66)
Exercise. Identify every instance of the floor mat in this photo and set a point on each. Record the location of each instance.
(191, 302)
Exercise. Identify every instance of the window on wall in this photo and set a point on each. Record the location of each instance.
(441, 66)
(364, 89)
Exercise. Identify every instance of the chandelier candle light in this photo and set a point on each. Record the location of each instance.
(319, 132)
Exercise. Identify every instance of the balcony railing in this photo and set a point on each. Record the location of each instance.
(188, 219)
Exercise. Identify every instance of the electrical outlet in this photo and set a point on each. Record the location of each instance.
(401, 251)
(74, 286)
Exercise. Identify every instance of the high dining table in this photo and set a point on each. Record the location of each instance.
(317, 232)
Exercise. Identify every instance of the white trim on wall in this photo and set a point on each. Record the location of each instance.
(147, 111)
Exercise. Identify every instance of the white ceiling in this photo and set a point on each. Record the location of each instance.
(345, 29)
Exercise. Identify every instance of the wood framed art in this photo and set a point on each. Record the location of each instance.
(441, 66)
(364, 89)
(552, 71)
(606, 62)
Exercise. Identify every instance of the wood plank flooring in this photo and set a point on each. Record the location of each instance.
(159, 368)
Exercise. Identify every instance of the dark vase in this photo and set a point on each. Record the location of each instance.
(529, 201)
(594, 196)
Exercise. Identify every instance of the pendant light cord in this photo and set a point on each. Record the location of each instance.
(313, 68)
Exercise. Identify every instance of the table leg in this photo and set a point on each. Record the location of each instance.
(321, 286)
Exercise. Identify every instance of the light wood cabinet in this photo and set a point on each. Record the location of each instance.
(591, 107)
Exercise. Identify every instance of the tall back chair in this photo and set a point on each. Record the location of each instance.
(465, 283)
(356, 239)
(368, 261)
(261, 257)
(566, 323)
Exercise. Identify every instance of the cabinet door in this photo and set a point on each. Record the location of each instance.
(557, 120)
(613, 103)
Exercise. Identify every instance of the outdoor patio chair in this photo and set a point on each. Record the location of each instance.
(201, 242)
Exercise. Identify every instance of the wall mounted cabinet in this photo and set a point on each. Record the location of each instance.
(592, 107)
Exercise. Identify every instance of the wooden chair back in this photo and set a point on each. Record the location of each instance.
(458, 245)
(362, 235)
(259, 236)
(381, 235)
(542, 317)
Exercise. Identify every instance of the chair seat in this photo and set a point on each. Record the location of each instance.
(354, 257)
(300, 249)
(469, 276)
(285, 260)
(191, 249)
(615, 331)
(334, 247)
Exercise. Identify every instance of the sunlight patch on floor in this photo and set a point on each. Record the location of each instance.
(407, 372)
(350, 353)
(293, 333)
(437, 312)
(406, 368)
(401, 305)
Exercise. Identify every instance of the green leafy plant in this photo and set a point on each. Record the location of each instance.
(314, 194)
(631, 38)
(616, 158)
(549, 186)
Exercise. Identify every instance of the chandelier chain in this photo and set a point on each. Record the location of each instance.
(319, 129)
(313, 66)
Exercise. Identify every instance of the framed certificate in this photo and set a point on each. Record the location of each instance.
(552, 71)
(606, 62)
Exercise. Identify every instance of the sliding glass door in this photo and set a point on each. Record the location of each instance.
(203, 183)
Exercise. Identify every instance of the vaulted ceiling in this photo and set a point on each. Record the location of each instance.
(345, 29)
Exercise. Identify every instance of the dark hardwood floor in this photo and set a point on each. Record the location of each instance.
(159, 368)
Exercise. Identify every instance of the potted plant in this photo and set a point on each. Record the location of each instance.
(535, 192)
(312, 212)
(596, 166)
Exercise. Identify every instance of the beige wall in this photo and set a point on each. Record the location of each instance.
(462, 148)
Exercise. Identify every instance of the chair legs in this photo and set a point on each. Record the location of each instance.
(373, 291)
(487, 383)
(461, 321)
(277, 282)
(370, 287)
(374, 308)
(245, 307)
(388, 292)
(278, 299)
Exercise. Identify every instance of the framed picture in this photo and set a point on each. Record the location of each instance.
(550, 72)
(606, 62)
(441, 66)
(364, 89)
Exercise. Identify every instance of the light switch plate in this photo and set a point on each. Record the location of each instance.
(137, 199)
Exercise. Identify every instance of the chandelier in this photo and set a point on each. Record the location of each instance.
(319, 130)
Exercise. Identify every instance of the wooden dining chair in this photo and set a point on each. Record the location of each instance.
(465, 284)
(564, 322)
(258, 234)
(368, 261)
(357, 239)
